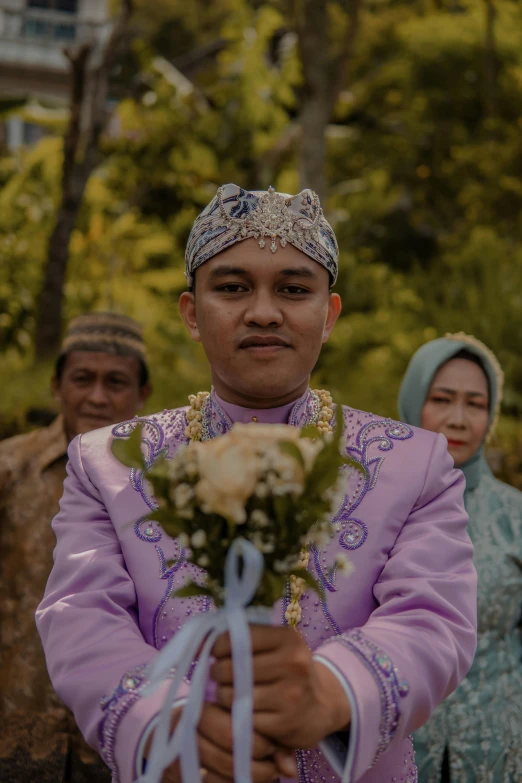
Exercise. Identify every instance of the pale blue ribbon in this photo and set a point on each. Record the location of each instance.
(201, 632)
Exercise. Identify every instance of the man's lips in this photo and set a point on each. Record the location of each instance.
(261, 343)
(96, 417)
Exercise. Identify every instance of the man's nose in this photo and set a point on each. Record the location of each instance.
(98, 394)
(263, 310)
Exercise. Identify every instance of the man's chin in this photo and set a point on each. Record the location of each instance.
(89, 423)
(266, 386)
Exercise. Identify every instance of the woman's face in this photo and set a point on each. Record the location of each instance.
(457, 405)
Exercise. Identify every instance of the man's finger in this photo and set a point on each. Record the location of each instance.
(220, 765)
(213, 777)
(266, 667)
(263, 638)
(271, 697)
(215, 759)
(215, 725)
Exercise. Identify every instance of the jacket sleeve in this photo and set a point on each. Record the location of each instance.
(96, 654)
(419, 643)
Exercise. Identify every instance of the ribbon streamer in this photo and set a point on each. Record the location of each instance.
(200, 633)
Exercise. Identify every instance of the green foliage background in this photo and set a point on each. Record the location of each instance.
(424, 175)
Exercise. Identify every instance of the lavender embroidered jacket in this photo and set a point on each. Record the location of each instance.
(400, 633)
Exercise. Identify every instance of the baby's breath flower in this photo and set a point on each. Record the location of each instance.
(182, 495)
(199, 539)
(183, 540)
(203, 561)
(259, 518)
(344, 566)
(261, 490)
(321, 534)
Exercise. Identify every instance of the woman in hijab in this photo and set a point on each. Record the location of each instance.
(454, 385)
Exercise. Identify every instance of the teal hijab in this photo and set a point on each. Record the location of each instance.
(417, 381)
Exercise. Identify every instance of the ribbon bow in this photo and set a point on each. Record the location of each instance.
(201, 632)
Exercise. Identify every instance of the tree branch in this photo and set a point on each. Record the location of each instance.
(81, 154)
(347, 51)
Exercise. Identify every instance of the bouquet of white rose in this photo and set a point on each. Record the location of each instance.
(244, 508)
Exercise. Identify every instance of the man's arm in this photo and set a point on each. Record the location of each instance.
(389, 675)
(95, 652)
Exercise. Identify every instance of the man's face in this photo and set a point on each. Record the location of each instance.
(97, 389)
(262, 319)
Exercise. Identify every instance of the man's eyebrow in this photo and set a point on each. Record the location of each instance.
(298, 271)
(224, 271)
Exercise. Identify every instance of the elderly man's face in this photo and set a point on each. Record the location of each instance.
(262, 319)
(97, 389)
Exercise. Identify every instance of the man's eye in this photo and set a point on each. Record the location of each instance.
(81, 379)
(232, 288)
(294, 289)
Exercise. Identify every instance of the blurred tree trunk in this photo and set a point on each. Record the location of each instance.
(90, 74)
(311, 21)
(491, 65)
(324, 78)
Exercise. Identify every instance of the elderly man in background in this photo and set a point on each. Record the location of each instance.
(101, 377)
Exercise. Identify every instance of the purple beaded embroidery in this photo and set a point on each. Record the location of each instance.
(391, 689)
(352, 532)
(380, 432)
(115, 707)
(173, 423)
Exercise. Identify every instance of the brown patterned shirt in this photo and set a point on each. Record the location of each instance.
(38, 738)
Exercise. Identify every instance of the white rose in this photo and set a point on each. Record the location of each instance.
(228, 470)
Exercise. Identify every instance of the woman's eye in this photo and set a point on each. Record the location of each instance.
(440, 399)
(479, 405)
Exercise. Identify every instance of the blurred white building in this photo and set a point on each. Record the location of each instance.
(33, 36)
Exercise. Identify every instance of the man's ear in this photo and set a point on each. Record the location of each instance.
(334, 311)
(145, 392)
(187, 308)
(55, 388)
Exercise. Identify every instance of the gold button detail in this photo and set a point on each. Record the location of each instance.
(254, 418)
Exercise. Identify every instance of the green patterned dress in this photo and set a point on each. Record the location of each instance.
(481, 723)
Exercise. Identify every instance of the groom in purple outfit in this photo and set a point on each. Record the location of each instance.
(338, 700)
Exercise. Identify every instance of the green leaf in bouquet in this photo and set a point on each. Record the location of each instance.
(192, 590)
(286, 447)
(274, 585)
(160, 484)
(328, 462)
(128, 450)
(311, 431)
(168, 520)
(309, 580)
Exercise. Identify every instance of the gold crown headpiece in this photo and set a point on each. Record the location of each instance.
(235, 214)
